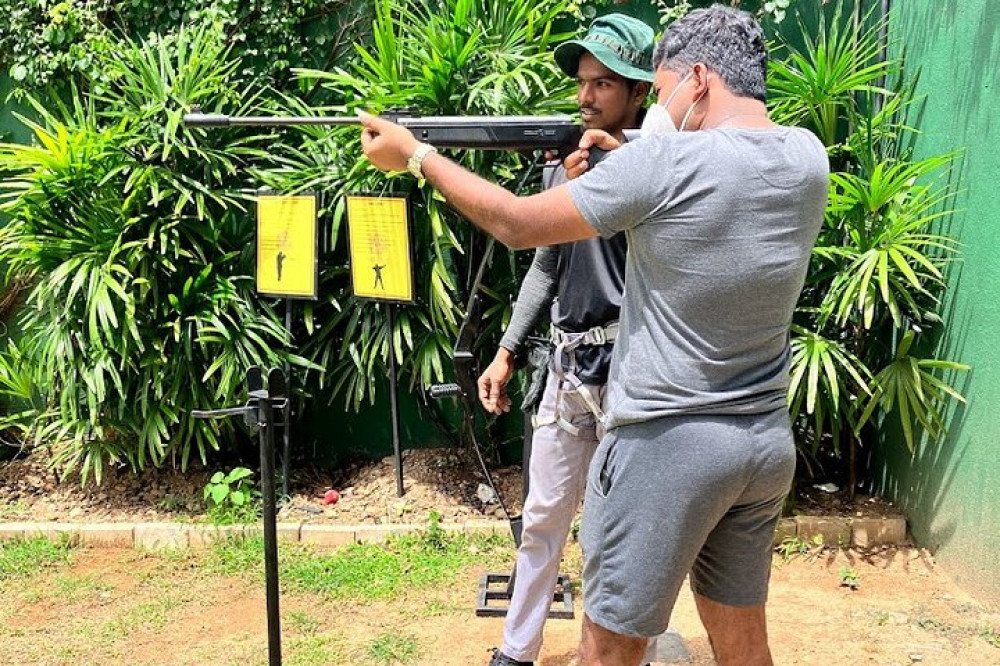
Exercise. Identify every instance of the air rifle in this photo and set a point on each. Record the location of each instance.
(515, 133)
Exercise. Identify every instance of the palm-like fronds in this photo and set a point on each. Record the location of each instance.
(879, 264)
(140, 309)
(826, 381)
(437, 57)
(910, 386)
(815, 86)
(890, 255)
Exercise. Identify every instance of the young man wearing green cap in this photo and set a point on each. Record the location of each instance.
(581, 285)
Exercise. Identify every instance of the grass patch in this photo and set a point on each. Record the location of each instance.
(65, 589)
(386, 571)
(393, 649)
(440, 609)
(991, 636)
(365, 572)
(147, 615)
(301, 623)
(240, 555)
(13, 510)
(20, 558)
(313, 651)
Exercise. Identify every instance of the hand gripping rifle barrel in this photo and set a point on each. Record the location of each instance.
(516, 133)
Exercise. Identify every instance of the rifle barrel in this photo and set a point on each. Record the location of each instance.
(215, 120)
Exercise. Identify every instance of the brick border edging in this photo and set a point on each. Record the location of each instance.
(836, 532)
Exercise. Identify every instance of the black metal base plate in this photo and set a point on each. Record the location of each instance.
(494, 597)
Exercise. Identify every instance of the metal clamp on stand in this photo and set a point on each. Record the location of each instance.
(264, 401)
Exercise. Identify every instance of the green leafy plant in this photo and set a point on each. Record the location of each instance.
(42, 41)
(231, 498)
(770, 10)
(435, 535)
(436, 57)
(16, 394)
(862, 340)
(817, 85)
(49, 42)
(135, 236)
(849, 578)
(795, 546)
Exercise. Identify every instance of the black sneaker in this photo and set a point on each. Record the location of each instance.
(500, 659)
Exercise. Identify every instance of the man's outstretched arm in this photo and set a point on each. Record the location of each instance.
(547, 218)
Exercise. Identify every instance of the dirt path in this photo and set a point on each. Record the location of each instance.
(123, 607)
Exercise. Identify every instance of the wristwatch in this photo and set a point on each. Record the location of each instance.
(415, 163)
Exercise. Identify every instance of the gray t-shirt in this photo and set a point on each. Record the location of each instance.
(720, 225)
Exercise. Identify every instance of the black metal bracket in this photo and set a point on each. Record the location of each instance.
(275, 392)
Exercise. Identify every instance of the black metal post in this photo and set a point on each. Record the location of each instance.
(286, 429)
(270, 530)
(393, 402)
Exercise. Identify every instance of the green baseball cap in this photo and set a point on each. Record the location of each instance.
(621, 43)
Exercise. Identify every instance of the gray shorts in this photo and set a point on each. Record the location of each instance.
(679, 495)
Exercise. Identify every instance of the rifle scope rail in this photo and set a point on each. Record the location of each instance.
(468, 132)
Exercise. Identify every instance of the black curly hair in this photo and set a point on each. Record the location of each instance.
(729, 41)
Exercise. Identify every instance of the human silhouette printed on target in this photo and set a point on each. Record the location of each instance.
(279, 260)
(378, 275)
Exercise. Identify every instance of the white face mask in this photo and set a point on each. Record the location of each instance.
(658, 119)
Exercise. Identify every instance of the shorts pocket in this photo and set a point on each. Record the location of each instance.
(601, 472)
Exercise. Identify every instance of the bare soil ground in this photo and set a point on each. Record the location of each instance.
(117, 607)
(125, 607)
(441, 480)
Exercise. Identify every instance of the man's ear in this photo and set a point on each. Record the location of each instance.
(700, 78)
(641, 91)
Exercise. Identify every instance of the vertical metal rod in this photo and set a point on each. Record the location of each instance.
(286, 429)
(270, 531)
(393, 390)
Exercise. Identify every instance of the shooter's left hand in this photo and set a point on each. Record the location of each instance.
(387, 145)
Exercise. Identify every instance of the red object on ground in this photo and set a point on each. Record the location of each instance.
(331, 497)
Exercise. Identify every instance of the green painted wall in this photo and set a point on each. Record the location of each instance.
(952, 490)
(11, 129)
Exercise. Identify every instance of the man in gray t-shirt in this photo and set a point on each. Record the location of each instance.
(717, 257)
(721, 218)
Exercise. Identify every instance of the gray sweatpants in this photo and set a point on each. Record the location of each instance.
(679, 495)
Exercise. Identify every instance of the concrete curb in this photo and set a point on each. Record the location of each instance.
(835, 532)
(175, 536)
(840, 532)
